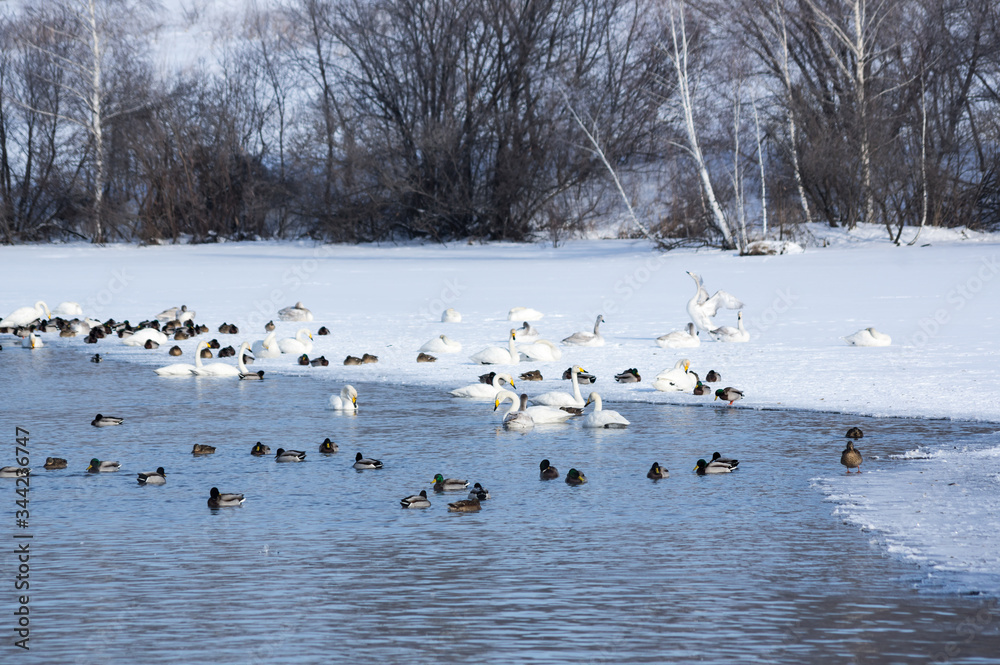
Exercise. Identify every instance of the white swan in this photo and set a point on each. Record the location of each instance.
(731, 334)
(441, 344)
(245, 373)
(484, 391)
(540, 415)
(680, 339)
(68, 309)
(301, 343)
(295, 313)
(495, 355)
(558, 398)
(347, 400)
(518, 417)
(676, 379)
(868, 337)
(267, 347)
(212, 369)
(527, 331)
(586, 338)
(167, 314)
(541, 350)
(140, 337)
(185, 314)
(22, 316)
(702, 308)
(32, 342)
(523, 314)
(601, 417)
(177, 369)
(451, 316)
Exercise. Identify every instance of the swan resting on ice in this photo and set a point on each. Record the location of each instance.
(495, 355)
(587, 338)
(680, 339)
(868, 337)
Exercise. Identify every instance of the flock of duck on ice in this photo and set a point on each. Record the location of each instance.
(547, 408)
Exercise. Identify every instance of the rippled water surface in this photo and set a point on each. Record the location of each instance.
(321, 564)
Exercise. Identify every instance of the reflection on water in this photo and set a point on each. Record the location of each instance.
(321, 564)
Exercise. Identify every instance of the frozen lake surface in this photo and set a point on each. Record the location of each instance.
(321, 564)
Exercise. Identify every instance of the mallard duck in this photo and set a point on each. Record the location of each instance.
(202, 449)
(546, 471)
(479, 492)
(323, 331)
(368, 359)
(533, 375)
(628, 376)
(702, 389)
(150, 345)
(851, 457)
(97, 466)
(252, 376)
(303, 359)
(283, 455)
(55, 463)
(219, 499)
(442, 484)
(15, 471)
(572, 410)
(175, 351)
(703, 467)
(587, 338)
(713, 377)
(158, 477)
(729, 394)
(228, 352)
(361, 462)
(717, 457)
(96, 358)
(656, 472)
(328, 446)
(575, 477)
(106, 421)
(205, 353)
(464, 506)
(416, 501)
(868, 337)
(487, 378)
(582, 377)
(269, 326)
(352, 360)
(854, 433)
(421, 358)
(259, 450)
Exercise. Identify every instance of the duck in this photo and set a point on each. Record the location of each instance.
(296, 312)
(487, 378)
(303, 360)
(442, 484)
(425, 358)
(416, 501)
(140, 337)
(713, 377)
(481, 391)
(217, 499)
(352, 360)
(531, 375)
(854, 433)
(301, 343)
(628, 376)
(328, 447)
(678, 378)
(558, 398)
(851, 457)
(656, 472)
(106, 421)
(582, 377)
(202, 449)
(701, 308)
(526, 331)
(451, 316)
(680, 339)
(97, 466)
(587, 338)
(730, 334)
(323, 330)
(14, 471)
(32, 342)
(868, 337)
(441, 344)
(283, 455)
(347, 400)
(575, 477)
(361, 462)
(717, 457)
(259, 450)
(24, 316)
(701, 389)
(368, 358)
(540, 415)
(158, 477)
(253, 376)
(213, 369)
(495, 355)
(465, 506)
(702, 467)
(175, 351)
(267, 347)
(241, 365)
(54, 463)
(479, 492)
(603, 418)
(150, 344)
(729, 394)
(517, 418)
(546, 471)
(523, 314)
(269, 326)
(541, 350)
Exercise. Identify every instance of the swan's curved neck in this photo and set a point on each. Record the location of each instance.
(197, 354)
(576, 387)
(239, 358)
(302, 335)
(597, 402)
(513, 353)
(515, 403)
(597, 324)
